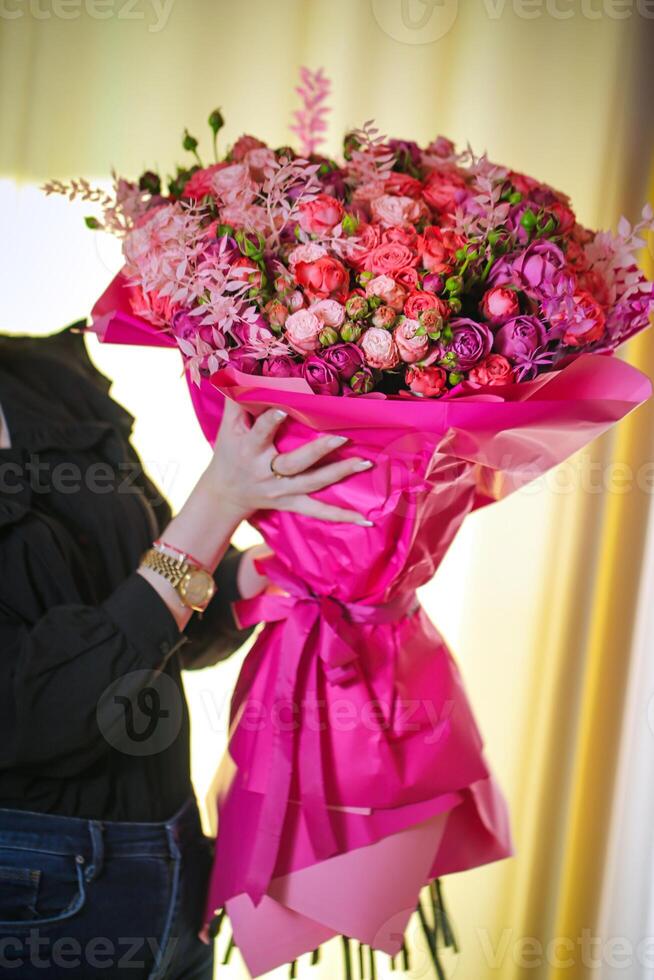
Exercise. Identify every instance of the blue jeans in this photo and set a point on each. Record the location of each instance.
(84, 898)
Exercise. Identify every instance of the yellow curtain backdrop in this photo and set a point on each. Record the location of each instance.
(536, 595)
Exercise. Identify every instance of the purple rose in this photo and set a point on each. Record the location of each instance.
(322, 377)
(187, 327)
(281, 367)
(538, 264)
(256, 332)
(346, 359)
(244, 360)
(184, 325)
(471, 342)
(519, 336)
(502, 272)
(408, 148)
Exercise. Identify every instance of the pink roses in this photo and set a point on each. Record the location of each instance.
(302, 331)
(379, 349)
(321, 215)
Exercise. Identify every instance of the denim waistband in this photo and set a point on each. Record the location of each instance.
(93, 841)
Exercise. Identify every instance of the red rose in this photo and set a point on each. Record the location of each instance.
(326, 278)
(592, 281)
(444, 189)
(564, 216)
(575, 255)
(200, 183)
(247, 271)
(494, 370)
(588, 322)
(321, 215)
(389, 257)
(402, 185)
(419, 300)
(437, 247)
(522, 183)
(243, 145)
(430, 381)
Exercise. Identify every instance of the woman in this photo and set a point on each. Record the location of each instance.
(103, 864)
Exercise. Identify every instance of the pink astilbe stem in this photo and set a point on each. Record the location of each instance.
(310, 121)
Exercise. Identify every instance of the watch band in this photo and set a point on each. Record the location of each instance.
(172, 569)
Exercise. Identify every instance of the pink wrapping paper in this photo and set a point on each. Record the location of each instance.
(357, 770)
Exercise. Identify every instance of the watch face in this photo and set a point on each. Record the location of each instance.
(197, 589)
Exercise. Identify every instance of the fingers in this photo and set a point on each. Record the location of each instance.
(323, 512)
(234, 418)
(324, 476)
(307, 455)
(264, 429)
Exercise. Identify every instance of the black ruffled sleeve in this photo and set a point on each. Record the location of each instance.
(59, 655)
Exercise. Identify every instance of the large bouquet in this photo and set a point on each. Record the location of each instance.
(470, 321)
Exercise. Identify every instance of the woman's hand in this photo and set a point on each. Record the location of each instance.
(243, 482)
(249, 581)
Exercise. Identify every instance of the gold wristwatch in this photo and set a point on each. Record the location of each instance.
(194, 585)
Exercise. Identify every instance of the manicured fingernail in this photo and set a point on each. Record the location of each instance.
(279, 414)
(365, 523)
(363, 464)
(337, 441)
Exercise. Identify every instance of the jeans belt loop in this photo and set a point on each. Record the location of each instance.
(94, 869)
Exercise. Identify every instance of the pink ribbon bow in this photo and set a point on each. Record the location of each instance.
(304, 613)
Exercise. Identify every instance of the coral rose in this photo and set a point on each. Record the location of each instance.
(430, 381)
(495, 370)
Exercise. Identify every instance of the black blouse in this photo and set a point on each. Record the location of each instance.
(93, 720)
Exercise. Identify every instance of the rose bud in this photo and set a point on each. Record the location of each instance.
(350, 332)
(283, 285)
(432, 321)
(362, 381)
(276, 313)
(432, 282)
(150, 182)
(384, 317)
(328, 336)
(295, 301)
(357, 307)
(454, 284)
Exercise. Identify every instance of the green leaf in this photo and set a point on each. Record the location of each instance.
(528, 220)
(92, 223)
